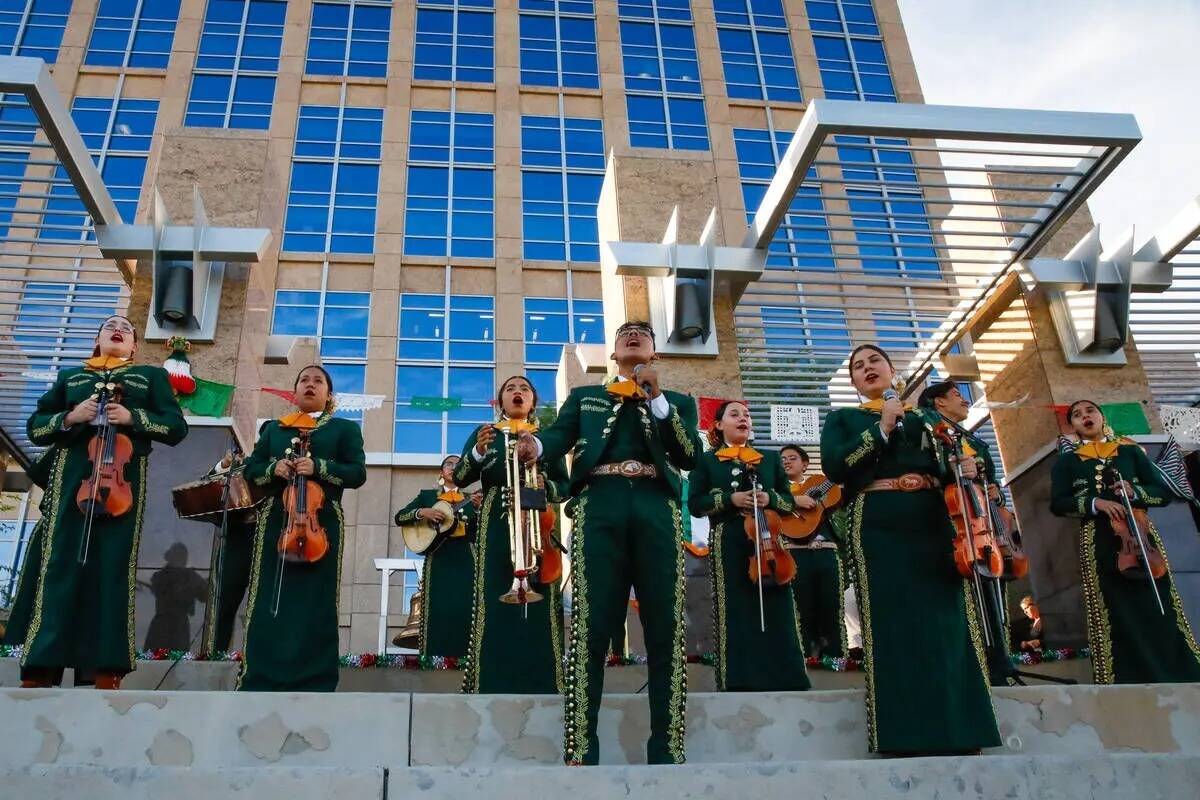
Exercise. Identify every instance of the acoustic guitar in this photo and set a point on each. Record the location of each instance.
(801, 524)
(424, 537)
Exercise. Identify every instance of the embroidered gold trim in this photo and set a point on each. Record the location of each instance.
(268, 473)
(54, 489)
(575, 739)
(426, 603)
(470, 684)
(52, 426)
(147, 425)
(260, 538)
(716, 537)
(976, 634)
(324, 473)
(131, 577)
(863, 450)
(677, 707)
(862, 591)
(685, 441)
(556, 612)
(1181, 620)
(718, 500)
(1098, 631)
(843, 634)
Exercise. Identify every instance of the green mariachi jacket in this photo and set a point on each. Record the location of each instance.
(585, 421)
(336, 448)
(1075, 482)
(490, 469)
(147, 393)
(426, 498)
(712, 483)
(854, 452)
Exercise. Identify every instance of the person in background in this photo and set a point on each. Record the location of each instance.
(447, 573)
(819, 587)
(1029, 632)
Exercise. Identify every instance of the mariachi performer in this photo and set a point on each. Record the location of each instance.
(944, 400)
(516, 621)
(231, 579)
(305, 460)
(1137, 630)
(448, 572)
(101, 419)
(820, 585)
(629, 439)
(927, 689)
(756, 628)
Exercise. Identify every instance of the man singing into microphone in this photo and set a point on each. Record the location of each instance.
(629, 440)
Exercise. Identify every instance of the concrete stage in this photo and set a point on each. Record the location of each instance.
(222, 676)
(1059, 742)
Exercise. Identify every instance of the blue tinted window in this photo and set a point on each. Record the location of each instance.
(132, 34)
(349, 38)
(334, 192)
(850, 52)
(446, 349)
(450, 208)
(562, 164)
(33, 28)
(551, 323)
(455, 41)
(662, 75)
(558, 44)
(118, 134)
(233, 85)
(802, 239)
(756, 51)
(340, 322)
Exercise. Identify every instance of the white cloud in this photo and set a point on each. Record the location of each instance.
(1079, 55)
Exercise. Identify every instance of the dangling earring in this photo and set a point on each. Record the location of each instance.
(331, 404)
(1109, 433)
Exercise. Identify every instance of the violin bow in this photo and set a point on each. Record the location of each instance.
(1137, 534)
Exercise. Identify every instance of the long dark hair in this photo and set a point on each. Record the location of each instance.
(500, 393)
(96, 349)
(715, 437)
(877, 349)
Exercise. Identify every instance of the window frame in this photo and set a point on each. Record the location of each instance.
(137, 25)
(560, 10)
(347, 61)
(456, 8)
(236, 72)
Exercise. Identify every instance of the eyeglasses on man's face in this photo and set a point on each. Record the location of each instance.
(121, 327)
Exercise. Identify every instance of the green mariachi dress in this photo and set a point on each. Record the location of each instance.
(820, 591)
(626, 532)
(748, 659)
(447, 579)
(927, 689)
(1130, 639)
(297, 649)
(83, 613)
(513, 648)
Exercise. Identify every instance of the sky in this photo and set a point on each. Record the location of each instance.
(1140, 57)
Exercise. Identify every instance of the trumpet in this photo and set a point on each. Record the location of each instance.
(525, 502)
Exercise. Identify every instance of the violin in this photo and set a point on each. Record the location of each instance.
(1137, 556)
(1004, 523)
(771, 564)
(303, 539)
(106, 493)
(976, 551)
(802, 523)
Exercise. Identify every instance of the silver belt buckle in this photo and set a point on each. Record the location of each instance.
(631, 469)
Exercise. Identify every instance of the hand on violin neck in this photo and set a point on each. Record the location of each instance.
(118, 414)
(1118, 485)
(303, 466)
(745, 500)
(283, 469)
(1110, 508)
(970, 470)
(83, 413)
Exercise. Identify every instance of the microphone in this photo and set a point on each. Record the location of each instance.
(890, 394)
(645, 385)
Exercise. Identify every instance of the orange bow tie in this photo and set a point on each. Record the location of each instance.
(98, 363)
(515, 427)
(1097, 450)
(746, 455)
(300, 420)
(876, 405)
(626, 390)
(451, 496)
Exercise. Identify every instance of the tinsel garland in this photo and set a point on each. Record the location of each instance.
(434, 663)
